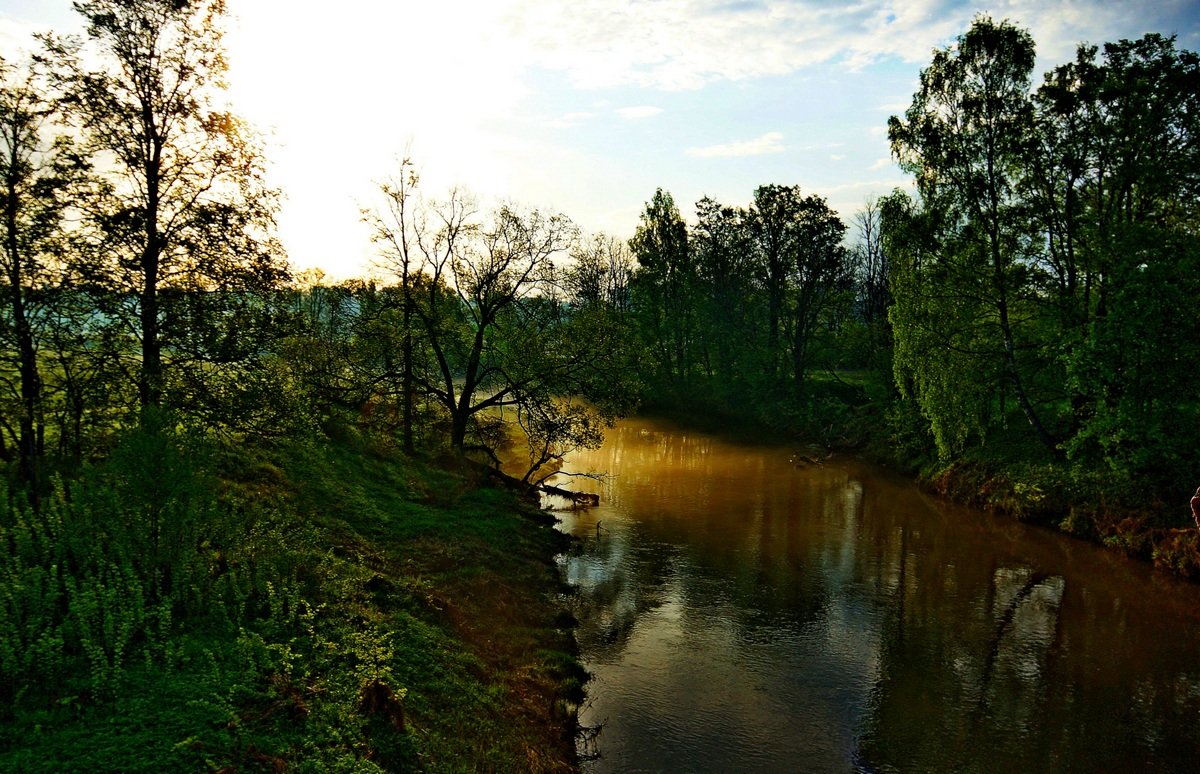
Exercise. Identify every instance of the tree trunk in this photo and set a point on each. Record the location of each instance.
(407, 388)
(26, 354)
(1014, 376)
(458, 430)
(1010, 355)
(150, 381)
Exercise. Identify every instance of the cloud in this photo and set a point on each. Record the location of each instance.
(569, 120)
(771, 142)
(640, 111)
(686, 44)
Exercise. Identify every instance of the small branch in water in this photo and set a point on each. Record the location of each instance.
(589, 749)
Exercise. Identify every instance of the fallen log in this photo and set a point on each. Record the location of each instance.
(579, 498)
(576, 498)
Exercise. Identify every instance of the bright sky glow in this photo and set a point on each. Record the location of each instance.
(587, 106)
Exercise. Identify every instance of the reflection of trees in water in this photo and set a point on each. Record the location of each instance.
(983, 657)
(993, 665)
(763, 570)
(619, 580)
(730, 533)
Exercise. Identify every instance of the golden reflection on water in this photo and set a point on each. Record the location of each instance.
(741, 609)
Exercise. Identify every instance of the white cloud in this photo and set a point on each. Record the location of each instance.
(640, 111)
(673, 44)
(685, 44)
(836, 156)
(771, 142)
(569, 120)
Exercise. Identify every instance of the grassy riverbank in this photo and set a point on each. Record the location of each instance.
(1009, 475)
(327, 605)
(1094, 505)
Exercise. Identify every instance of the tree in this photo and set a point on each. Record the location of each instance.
(21, 114)
(34, 173)
(798, 240)
(493, 332)
(868, 339)
(965, 138)
(1114, 182)
(392, 229)
(770, 218)
(665, 281)
(508, 351)
(727, 272)
(944, 360)
(600, 272)
(818, 270)
(872, 266)
(182, 210)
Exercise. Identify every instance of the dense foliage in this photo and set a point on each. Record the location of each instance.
(1047, 264)
(747, 311)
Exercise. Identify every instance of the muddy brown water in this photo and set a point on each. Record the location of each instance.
(743, 610)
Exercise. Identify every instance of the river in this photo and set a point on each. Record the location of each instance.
(742, 609)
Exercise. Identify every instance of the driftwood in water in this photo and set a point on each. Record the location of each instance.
(576, 498)
(804, 460)
(579, 498)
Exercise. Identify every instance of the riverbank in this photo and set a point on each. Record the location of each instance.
(349, 609)
(1092, 505)
(1088, 507)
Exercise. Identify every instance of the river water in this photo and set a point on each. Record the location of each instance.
(742, 609)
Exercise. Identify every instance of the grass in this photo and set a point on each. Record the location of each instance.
(365, 612)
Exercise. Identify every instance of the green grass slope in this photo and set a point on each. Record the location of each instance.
(326, 606)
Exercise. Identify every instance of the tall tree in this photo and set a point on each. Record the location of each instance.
(727, 270)
(33, 175)
(871, 271)
(665, 279)
(944, 360)
(771, 218)
(819, 269)
(183, 209)
(964, 138)
(392, 229)
(872, 266)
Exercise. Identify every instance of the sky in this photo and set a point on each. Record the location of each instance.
(585, 107)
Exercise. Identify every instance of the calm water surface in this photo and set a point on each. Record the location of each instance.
(742, 613)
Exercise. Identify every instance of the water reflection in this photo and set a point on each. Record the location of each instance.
(739, 612)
